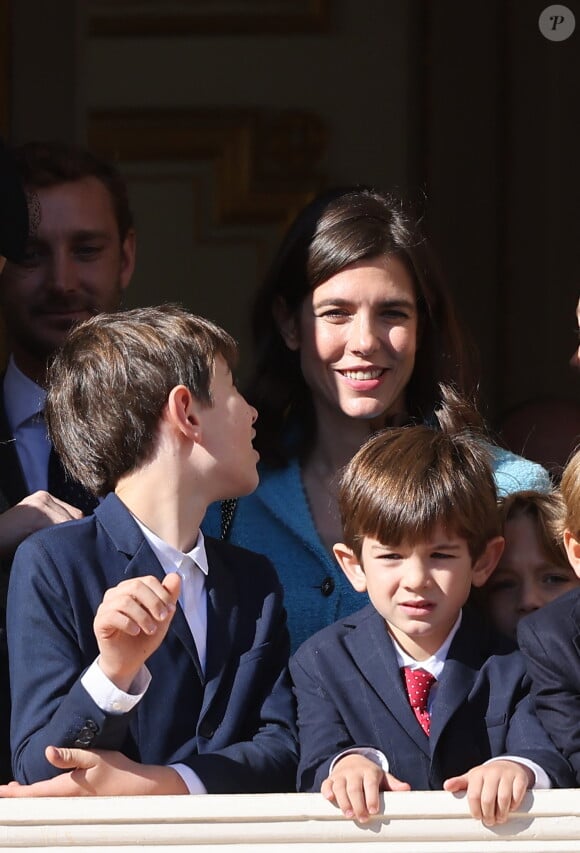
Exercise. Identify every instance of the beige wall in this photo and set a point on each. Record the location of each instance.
(317, 102)
(228, 116)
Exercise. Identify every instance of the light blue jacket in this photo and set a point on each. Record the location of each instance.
(276, 521)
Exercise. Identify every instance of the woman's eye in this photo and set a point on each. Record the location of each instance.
(335, 315)
(334, 312)
(395, 315)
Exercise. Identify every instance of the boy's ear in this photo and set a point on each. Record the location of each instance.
(486, 562)
(287, 323)
(572, 546)
(182, 412)
(350, 565)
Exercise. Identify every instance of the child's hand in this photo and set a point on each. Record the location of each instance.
(354, 786)
(98, 773)
(493, 790)
(131, 623)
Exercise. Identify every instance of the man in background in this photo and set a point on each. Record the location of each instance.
(76, 262)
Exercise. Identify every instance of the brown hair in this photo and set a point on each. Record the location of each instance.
(404, 482)
(547, 511)
(570, 488)
(47, 164)
(111, 379)
(340, 227)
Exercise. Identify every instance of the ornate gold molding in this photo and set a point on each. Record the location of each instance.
(209, 17)
(265, 164)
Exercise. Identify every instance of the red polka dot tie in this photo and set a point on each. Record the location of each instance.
(418, 683)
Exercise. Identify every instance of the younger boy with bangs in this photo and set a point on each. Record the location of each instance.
(142, 408)
(413, 692)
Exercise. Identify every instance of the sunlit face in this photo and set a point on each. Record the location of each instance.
(357, 337)
(228, 429)
(418, 589)
(76, 266)
(525, 578)
(575, 360)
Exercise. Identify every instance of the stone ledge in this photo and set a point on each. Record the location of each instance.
(411, 822)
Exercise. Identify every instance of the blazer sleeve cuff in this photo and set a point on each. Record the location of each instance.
(107, 695)
(374, 755)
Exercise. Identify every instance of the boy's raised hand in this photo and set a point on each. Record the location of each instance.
(131, 623)
(494, 789)
(354, 786)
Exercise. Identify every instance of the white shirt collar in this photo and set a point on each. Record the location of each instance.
(171, 558)
(23, 398)
(436, 662)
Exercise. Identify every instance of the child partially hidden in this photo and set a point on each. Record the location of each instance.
(534, 568)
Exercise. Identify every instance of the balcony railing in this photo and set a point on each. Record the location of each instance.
(411, 822)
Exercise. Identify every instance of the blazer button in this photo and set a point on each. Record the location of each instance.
(86, 735)
(327, 587)
(206, 730)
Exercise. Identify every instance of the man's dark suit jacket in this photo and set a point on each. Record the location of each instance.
(350, 693)
(235, 728)
(13, 489)
(13, 486)
(550, 641)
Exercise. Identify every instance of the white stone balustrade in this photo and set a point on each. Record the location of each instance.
(415, 822)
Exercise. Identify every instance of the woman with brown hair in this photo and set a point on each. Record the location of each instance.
(353, 332)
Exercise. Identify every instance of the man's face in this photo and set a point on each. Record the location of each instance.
(76, 266)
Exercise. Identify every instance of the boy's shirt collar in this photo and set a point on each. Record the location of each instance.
(433, 664)
(171, 558)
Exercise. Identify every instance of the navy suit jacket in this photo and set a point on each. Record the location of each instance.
(550, 640)
(350, 693)
(13, 489)
(235, 728)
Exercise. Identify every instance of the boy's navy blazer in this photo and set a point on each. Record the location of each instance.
(350, 693)
(235, 728)
(550, 640)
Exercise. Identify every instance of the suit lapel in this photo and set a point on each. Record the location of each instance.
(128, 540)
(374, 655)
(12, 482)
(459, 674)
(222, 619)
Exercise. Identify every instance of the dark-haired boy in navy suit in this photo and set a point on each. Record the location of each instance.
(550, 640)
(141, 407)
(421, 528)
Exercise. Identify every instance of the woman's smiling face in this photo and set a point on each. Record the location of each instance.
(357, 337)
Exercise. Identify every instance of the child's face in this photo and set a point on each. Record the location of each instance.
(525, 578)
(418, 589)
(228, 428)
